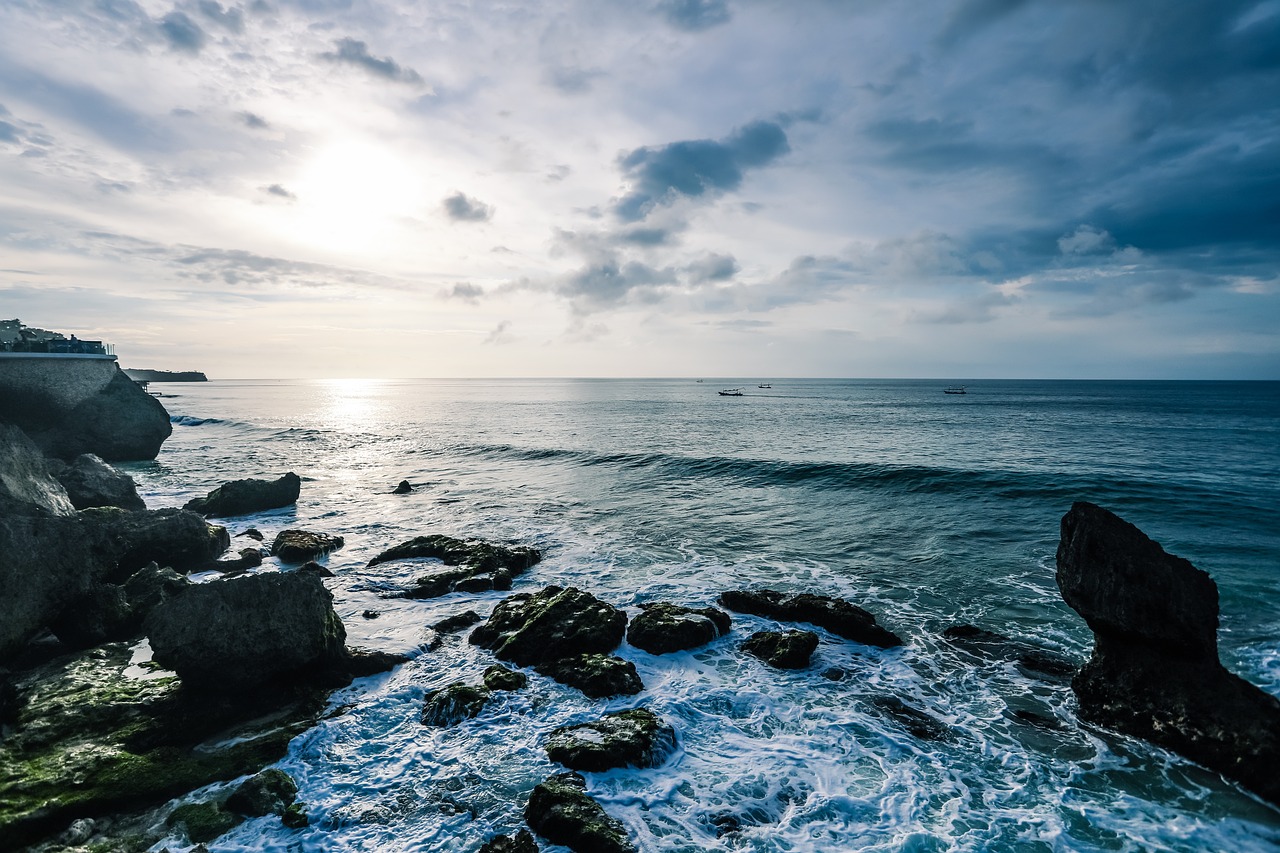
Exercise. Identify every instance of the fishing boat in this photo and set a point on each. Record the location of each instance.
(730, 392)
(766, 385)
(954, 389)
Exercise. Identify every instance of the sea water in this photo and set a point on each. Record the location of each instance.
(928, 509)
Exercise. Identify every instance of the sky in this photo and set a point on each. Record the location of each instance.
(719, 188)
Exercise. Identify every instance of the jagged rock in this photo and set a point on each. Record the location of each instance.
(100, 615)
(370, 614)
(598, 676)
(453, 704)
(91, 482)
(521, 842)
(665, 627)
(404, 487)
(203, 821)
(269, 792)
(248, 630)
(783, 649)
(26, 486)
(253, 533)
(362, 662)
(561, 811)
(295, 816)
(990, 645)
(921, 724)
(295, 546)
(475, 566)
(634, 738)
(455, 623)
(532, 628)
(242, 497)
(121, 422)
(836, 615)
(170, 537)
(246, 559)
(1154, 672)
(498, 677)
(151, 585)
(314, 568)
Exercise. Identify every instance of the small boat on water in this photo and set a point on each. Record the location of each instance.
(766, 385)
(954, 389)
(730, 392)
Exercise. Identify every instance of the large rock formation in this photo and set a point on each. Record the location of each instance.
(836, 615)
(633, 738)
(26, 486)
(1155, 671)
(248, 630)
(664, 627)
(561, 811)
(90, 482)
(470, 565)
(242, 497)
(171, 537)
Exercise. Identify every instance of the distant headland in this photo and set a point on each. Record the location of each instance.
(139, 375)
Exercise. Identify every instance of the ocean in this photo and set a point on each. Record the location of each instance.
(927, 509)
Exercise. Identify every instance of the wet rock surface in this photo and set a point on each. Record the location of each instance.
(634, 738)
(498, 677)
(521, 842)
(838, 616)
(297, 546)
(242, 497)
(248, 630)
(457, 622)
(920, 723)
(270, 792)
(782, 649)
(1154, 672)
(451, 705)
(527, 629)
(664, 627)
(472, 565)
(26, 485)
(91, 482)
(597, 676)
(175, 538)
(993, 646)
(561, 811)
(119, 423)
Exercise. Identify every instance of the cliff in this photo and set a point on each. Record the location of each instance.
(140, 375)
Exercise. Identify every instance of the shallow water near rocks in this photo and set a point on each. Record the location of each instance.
(927, 509)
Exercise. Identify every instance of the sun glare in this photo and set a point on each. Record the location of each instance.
(350, 194)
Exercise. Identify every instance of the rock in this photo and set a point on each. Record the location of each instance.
(91, 482)
(990, 645)
(253, 533)
(170, 537)
(635, 738)
(314, 568)
(664, 627)
(101, 615)
(242, 497)
(150, 586)
(295, 817)
(248, 558)
(453, 704)
(1154, 672)
(783, 649)
(203, 821)
(457, 622)
(532, 628)
(521, 842)
(835, 615)
(362, 662)
(598, 676)
(498, 677)
(121, 422)
(404, 487)
(561, 811)
(244, 631)
(834, 673)
(370, 614)
(295, 546)
(269, 792)
(475, 566)
(26, 486)
(923, 725)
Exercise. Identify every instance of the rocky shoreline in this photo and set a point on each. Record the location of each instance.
(125, 685)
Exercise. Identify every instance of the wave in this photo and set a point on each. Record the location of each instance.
(192, 421)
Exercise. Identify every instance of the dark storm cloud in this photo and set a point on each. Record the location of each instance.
(354, 52)
(694, 168)
(949, 145)
(694, 15)
(975, 15)
(462, 208)
(182, 33)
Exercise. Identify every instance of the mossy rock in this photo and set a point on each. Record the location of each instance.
(203, 821)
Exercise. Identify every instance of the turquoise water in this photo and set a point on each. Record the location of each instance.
(928, 509)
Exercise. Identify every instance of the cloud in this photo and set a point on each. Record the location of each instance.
(572, 81)
(465, 292)
(612, 281)
(1086, 240)
(462, 208)
(500, 334)
(182, 33)
(8, 132)
(354, 52)
(713, 268)
(696, 168)
(695, 15)
(230, 19)
(252, 120)
(280, 192)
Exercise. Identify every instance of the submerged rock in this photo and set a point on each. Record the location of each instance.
(665, 627)
(91, 482)
(498, 677)
(455, 623)
(296, 546)
(783, 649)
(598, 676)
(1154, 672)
(270, 792)
(561, 811)
(453, 704)
(988, 644)
(246, 559)
(527, 629)
(840, 617)
(634, 738)
(404, 487)
(475, 566)
(923, 725)
(248, 630)
(521, 842)
(203, 821)
(242, 497)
